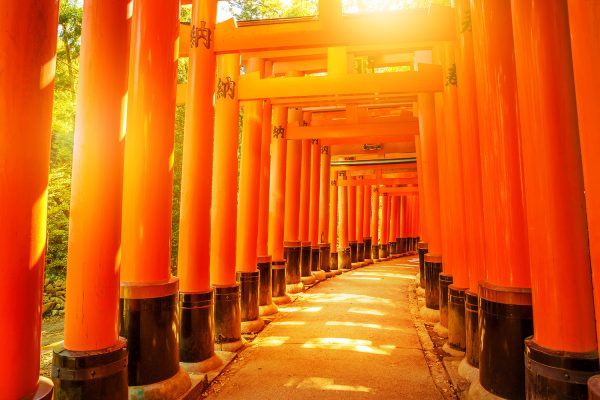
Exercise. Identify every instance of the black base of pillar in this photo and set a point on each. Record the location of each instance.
(353, 251)
(361, 251)
(552, 374)
(456, 318)
(384, 251)
(375, 252)
(91, 375)
(415, 244)
(433, 269)
(228, 335)
(333, 258)
(445, 281)
(422, 251)
(345, 258)
(292, 255)
(249, 289)
(148, 320)
(305, 259)
(393, 249)
(325, 257)
(278, 283)
(196, 337)
(471, 328)
(315, 259)
(265, 290)
(505, 320)
(368, 248)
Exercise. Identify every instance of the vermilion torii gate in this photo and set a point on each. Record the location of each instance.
(472, 129)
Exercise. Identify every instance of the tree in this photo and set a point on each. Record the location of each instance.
(246, 10)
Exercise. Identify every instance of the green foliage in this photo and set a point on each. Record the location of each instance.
(176, 202)
(248, 10)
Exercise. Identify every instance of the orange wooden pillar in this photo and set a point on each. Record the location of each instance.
(149, 293)
(584, 18)
(375, 223)
(505, 296)
(403, 215)
(247, 274)
(429, 163)
(384, 248)
(333, 213)
(28, 50)
(324, 212)
(344, 251)
(360, 210)
(564, 330)
(367, 224)
(422, 246)
(315, 188)
(224, 205)
(352, 242)
(471, 161)
(304, 211)
(393, 223)
(264, 257)
(196, 297)
(293, 204)
(277, 204)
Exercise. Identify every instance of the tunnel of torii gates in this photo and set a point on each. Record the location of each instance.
(477, 153)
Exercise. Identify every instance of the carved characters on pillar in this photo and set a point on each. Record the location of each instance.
(314, 141)
(466, 22)
(375, 189)
(278, 132)
(451, 76)
(305, 123)
(200, 34)
(225, 88)
(325, 150)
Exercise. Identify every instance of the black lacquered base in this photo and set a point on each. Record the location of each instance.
(91, 375)
(353, 252)
(151, 327)
(278, 273)
(361, 252)
(196, 335)
(334, 261)
(433, 269)
(400, 245)
(315, 259)
(265, 289)
(368, 248)
(393, 249)
(375, 252)
(249, 289)
(305, 260)
(552, 374)
(325, 257)
(423, 248)
(344, 259)
(505, 320)
(384, 251)
(445, 281)
(456, 318)
(228, 315)
(291, 253)
(471, 328)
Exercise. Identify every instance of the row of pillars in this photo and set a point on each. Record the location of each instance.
(130, 326)
(505, 164)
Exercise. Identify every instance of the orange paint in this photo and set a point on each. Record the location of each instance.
(403, 215)
(422, 197)
(262, 245)
(193, 262)
(560, 269)
(149, 144)
(315, 171)
(375, 215)
(326, 195)
(471, 160)
(97, 181)
(506, 249)
(28, 42)
(277, 183)
(360, 210)
(393, 219)
(367, 213)
(352, 212)
(293, 165)
(249, 181)
(304, 182)
(429, 162)
(343, 207)
(385, 218)
(225, 174)
(584, 17)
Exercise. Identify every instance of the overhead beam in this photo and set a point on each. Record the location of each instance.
(367, 139)
(399, 190)
(405, 167)
(403, 130)
(382, 181)
(359, 149)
